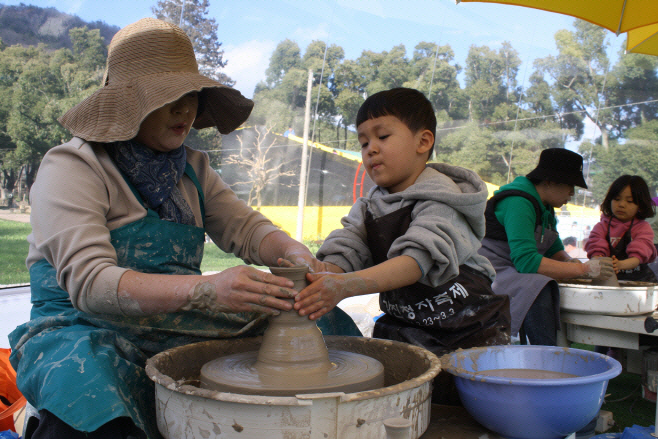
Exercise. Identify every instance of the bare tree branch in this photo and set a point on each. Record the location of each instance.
(258, 162)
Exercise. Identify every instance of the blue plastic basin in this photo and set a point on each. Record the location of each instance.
(522, 408)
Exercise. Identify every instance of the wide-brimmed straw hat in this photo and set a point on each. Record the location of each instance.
(560, 165)
(151, 63)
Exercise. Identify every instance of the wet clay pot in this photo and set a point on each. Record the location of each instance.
(293, 348)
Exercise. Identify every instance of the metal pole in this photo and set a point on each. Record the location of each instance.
(301, 200)
(182, 12)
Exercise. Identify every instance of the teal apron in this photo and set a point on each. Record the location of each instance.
(99, 360)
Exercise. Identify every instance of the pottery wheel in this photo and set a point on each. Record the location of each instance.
(346, 372)
(292, 359)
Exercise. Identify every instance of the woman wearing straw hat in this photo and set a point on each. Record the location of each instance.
(523, 244)
(119, 216)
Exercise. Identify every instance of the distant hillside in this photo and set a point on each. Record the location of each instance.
(30, 25)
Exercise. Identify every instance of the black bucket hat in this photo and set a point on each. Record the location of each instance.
(559, 165)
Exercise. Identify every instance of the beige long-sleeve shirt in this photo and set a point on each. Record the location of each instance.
(79, 196)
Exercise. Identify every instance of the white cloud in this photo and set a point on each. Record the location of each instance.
(247, 63)
(73, 7)
(304, 35)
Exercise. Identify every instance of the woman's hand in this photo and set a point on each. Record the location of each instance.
(297, 257)
(598, 268)
(279, 249)
(298, 254)
(240, 289)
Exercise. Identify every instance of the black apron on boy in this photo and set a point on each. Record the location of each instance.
(641, 273)
(461, 313)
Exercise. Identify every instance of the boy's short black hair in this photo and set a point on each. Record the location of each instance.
(407, 104)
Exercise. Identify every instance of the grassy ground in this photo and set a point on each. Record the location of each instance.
(216, 260)
(14, 246)
(624, 399)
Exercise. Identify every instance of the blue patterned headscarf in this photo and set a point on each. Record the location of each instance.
(155, 175)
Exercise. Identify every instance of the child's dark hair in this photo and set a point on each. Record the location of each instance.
(639, 191)
(408, 105)
(569, 240)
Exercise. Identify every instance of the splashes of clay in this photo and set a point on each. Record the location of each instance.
(129, 306)
(204, 296)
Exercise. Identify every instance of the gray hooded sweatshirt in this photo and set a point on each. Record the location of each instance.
(445, 231)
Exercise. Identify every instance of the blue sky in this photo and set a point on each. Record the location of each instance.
(251, 29)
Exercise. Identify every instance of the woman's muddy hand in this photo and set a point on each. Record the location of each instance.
(242, 289)
(305, 258)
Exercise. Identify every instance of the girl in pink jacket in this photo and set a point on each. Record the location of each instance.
(623, 233)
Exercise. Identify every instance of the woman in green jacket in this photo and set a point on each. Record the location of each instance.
(523, 244)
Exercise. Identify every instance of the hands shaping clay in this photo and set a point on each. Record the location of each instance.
(601, 272)
(293, 359)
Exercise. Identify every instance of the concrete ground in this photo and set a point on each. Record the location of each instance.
(8, 214)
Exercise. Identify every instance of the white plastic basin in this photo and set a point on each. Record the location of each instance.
(630, 298)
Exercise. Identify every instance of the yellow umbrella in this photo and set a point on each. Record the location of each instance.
(643, 40)
(615, 15)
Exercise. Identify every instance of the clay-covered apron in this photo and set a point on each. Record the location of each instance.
(100, 360)
(461, 313)
(641, 273)
(522, 288)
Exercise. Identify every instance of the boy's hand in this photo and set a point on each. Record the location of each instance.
(321, 296)
(326, 291)
(615, 264)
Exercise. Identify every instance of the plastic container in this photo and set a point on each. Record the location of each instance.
(526, 408)
(628, 299)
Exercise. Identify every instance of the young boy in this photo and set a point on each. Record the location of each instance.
(413, 239)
